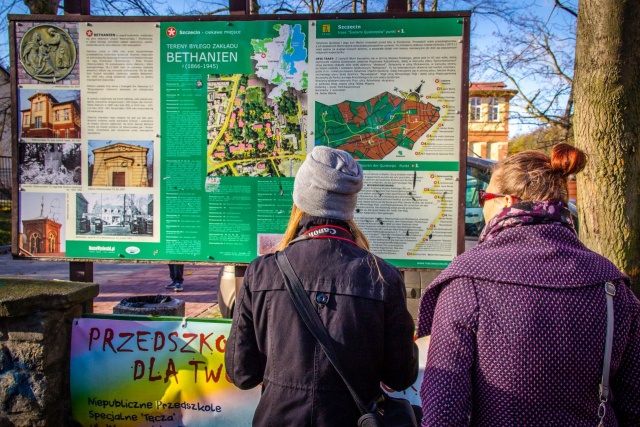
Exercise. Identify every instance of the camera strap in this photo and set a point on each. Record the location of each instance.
(326, 231)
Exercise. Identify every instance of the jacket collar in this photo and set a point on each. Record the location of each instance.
(308, 222)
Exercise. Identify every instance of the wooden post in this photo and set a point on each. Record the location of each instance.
(80, 271)
(77, 7)
(396, 5)
(238, 7)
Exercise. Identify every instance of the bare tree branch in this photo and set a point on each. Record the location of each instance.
(566, 8)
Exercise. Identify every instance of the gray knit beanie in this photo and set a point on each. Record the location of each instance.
(327, 184)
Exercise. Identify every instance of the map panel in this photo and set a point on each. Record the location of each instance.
(374, 128)
(256, 123)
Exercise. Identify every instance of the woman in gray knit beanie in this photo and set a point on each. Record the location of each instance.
(359, 297)
(328, 183)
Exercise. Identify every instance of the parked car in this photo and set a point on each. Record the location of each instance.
(478, 177)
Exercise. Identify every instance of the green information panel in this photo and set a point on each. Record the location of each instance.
(180, 141)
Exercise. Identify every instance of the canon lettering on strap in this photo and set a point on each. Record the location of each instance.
(329, 232)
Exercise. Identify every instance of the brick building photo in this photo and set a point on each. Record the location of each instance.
(43, 225)
(49, 115)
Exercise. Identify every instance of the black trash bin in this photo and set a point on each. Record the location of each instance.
(151, 305)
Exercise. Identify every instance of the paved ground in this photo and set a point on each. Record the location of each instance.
(121, 280)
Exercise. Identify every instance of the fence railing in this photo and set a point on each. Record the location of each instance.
(5, 182)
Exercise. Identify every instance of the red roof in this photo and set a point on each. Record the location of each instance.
(488, 86)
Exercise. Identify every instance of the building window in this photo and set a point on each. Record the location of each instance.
(38, 122)
(57, 115)
(52, 242)
(476, 109)
(66, 114)
(493, 109)
(34, 243)
(26, 120)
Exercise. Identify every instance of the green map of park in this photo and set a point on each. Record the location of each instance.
(256, 122)
(374, 128)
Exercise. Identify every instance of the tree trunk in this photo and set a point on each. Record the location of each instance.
(42, 7)
(254, 8)
(607, 128)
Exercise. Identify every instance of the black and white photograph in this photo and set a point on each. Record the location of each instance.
(110, 214)
(50, 164)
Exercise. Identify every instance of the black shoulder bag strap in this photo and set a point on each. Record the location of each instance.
(610, 290)
(312, 320)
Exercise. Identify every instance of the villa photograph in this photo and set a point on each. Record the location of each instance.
(50, 114)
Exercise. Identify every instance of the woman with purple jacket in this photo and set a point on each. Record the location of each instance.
(518, 323)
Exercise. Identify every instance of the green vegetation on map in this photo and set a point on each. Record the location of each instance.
(256, 122)
(374, 128)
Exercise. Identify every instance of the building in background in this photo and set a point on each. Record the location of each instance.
(489, 119)
(5, 113)
(5, 139)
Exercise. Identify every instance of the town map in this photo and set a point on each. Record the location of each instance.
(256, 123)
(372, 129)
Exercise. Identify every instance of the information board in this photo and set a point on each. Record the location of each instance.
(180, 139)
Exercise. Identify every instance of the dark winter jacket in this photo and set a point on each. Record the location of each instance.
(517, 330)
(365, 314)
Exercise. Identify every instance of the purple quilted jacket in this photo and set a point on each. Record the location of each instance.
(517, 329)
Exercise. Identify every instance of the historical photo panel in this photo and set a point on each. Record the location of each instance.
(111, 214)
(46, 113)
(43, 224)
(115, 163)
(50, 164)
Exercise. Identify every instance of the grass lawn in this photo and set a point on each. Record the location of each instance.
(5, 227)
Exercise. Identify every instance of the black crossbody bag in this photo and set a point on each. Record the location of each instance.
(383, 411)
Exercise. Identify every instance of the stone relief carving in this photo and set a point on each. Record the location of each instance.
(47, 53)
